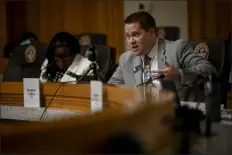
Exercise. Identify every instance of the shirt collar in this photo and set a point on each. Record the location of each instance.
(153, 51)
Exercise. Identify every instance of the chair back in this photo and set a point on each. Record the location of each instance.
(218, 53)
(91, 38)
(213, 50)
(25, 62)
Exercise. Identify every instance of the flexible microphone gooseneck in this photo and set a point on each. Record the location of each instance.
(150, 80)
(73, 75)
(78, 79)
(48, 65)
(45, 67)
(93, 66)
(61, 84)
(69, 73)
(91, 54)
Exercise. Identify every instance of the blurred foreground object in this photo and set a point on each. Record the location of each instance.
(141, 124)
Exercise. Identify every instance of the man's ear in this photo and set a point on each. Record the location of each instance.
(153, 31)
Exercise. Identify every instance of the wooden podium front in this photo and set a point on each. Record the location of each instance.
(69, 97)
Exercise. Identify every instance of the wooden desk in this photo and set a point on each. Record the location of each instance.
(70, 97)
(89, 134)
(70, 100)
(3, 64)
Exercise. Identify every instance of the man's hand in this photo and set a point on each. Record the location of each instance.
(169, 72)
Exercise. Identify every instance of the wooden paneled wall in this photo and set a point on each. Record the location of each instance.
(209, 18)
(206, 18)
(3, 30)
(16, 19)
(46, 17)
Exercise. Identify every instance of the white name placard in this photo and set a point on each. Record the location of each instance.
(96, 94)
(31, 88)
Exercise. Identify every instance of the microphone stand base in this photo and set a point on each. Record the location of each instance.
(93, 67)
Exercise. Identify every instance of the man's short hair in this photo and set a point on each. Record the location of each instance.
(144, 18)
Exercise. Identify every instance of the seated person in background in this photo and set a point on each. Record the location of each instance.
(28, 38)
(63, 56)
(151, 57)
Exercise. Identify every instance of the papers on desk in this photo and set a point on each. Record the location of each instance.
(31, 88)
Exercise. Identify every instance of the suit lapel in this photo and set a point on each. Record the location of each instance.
(161, 54)
(137, 69)
(137, 62)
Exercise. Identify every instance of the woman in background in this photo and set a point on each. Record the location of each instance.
(63, 55)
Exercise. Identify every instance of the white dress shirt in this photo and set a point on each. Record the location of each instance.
(153, 55)
(154, 62)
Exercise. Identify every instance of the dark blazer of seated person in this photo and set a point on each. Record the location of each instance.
(174, 59)
(63, 56)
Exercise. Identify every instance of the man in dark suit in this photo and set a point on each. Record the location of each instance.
(153, 57)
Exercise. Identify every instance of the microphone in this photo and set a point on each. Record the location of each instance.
(48, 65)
(82, 76)
(150, 80)
(91, 54)
(38, 73)
(69, 73)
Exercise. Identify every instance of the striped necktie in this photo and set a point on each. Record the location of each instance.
(146, 68)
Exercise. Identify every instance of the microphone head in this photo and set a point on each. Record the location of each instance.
(69, 73)
(92, 54)
(87, 50)
(87, 54)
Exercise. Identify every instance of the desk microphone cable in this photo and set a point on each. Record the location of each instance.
(52, 99)
(77, 81)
